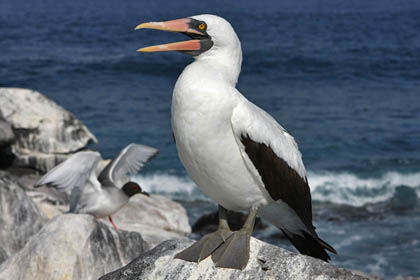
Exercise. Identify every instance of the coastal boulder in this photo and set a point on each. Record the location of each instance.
(156, 217)
(73, 247)
(20, 218)
(266, 262)
(45, 133)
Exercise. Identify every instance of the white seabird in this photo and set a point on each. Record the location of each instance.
(233, 150)
(95, 192)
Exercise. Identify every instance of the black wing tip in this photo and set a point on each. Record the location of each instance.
(326, 245)
(310, 245)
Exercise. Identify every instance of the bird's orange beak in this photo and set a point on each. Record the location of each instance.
(179, 25)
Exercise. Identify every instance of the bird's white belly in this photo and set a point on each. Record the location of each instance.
(103, 205)
(101, 210)
(208, 150)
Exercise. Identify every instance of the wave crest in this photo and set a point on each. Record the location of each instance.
(340, 188)
(350, 189)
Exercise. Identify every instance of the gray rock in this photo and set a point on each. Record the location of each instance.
(50, 201)
(266, 262)
(6, 132)
(73, 247)
(20, 218)
(45, 132)
(156, 217)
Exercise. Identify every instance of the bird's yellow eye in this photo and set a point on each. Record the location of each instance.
(202, 26)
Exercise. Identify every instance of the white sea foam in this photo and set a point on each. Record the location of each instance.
(343, 188)
(347, 188)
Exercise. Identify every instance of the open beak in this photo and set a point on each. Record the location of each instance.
(179, 25)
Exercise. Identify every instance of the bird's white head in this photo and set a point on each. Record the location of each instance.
(221, 33)
(212, 39)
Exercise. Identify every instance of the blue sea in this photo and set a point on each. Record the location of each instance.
(343, 77)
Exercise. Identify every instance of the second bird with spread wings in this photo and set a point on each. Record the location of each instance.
(233, 150)
(98, 192)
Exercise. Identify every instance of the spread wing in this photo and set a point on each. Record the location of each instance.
(77, 171)
(130, 160)
(272, 155)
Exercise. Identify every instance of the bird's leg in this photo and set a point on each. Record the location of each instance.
(234, 253)
(209, 242)
(112, 222)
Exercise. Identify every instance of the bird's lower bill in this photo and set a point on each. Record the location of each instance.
(191, 45)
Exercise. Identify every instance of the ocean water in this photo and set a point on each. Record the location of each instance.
(343, 77)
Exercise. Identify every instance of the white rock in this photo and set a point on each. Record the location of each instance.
(73, 247)
(156, 217)
(44, 131)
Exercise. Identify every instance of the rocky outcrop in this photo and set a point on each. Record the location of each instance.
(19, 217)
(50, 201)
(45, 133)
(6, 132)
(266, 262)
(156, 217)
(73, 247)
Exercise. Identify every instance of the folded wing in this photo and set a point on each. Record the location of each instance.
(272, 156)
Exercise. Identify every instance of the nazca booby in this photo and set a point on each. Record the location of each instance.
(233, 150)
(98, 192)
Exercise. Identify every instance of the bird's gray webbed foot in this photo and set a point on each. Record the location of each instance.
(234, 253)
(209, 242)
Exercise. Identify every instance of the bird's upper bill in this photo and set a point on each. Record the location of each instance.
(193, 28)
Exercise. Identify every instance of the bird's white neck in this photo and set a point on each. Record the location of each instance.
(227, 62)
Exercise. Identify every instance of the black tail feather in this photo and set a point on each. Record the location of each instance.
(310, 245)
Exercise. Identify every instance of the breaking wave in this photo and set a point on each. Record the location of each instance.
(348, 188)
(339, 188)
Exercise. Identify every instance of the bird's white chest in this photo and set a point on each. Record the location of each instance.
(103, 204)
(207, 147)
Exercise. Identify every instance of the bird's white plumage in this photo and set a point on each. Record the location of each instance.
(130, 160)
(209, 115)
(77, 171)
(250, 120)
